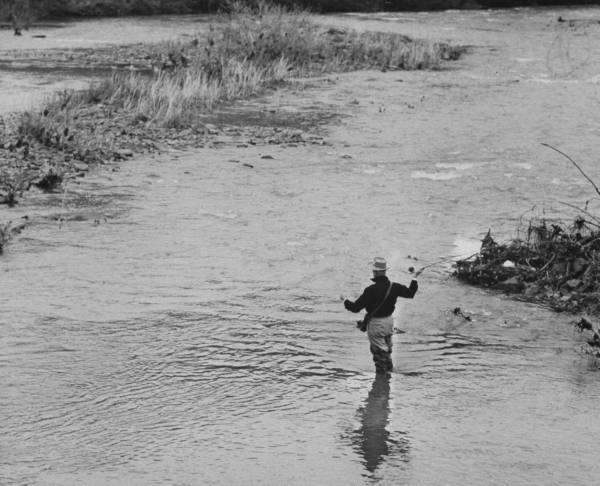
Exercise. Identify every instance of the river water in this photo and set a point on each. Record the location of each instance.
(176, 320)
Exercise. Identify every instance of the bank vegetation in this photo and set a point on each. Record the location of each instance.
(23, 12)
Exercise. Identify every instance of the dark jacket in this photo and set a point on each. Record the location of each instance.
(374, 294)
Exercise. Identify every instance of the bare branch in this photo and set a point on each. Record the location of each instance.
(575, 164)
(584, 212)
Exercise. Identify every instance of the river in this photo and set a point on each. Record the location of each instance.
(176, 319)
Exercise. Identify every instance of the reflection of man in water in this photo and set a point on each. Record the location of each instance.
(374, 418)
(372, 439)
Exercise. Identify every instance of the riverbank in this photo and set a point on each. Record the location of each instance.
(170, 94)
(26, 12)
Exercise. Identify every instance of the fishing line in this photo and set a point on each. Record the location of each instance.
(450, 258)
(440, 261)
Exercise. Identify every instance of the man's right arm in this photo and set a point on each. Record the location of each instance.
(356, 306)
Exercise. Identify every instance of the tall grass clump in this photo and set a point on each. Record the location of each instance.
(266, 32)
(175, 99)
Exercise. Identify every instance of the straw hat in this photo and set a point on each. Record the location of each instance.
(379, 264)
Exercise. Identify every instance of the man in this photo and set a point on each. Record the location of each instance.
(380, 308)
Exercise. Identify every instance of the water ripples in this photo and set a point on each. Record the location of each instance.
(196, 331)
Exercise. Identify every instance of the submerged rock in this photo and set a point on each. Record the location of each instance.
(50, 181)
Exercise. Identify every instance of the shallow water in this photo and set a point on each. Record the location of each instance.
(177, 321)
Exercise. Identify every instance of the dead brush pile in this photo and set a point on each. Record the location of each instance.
(556, 264)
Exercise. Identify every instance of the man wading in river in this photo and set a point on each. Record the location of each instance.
(379, 300)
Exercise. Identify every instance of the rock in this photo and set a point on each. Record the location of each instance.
(531, 290)
(573, 283)
(559, 268)
(80, 167)
(125, 153)
(508, 264)
(336, 31)
(49, 182)
(511, 285)
(578, 265)
(211, 129)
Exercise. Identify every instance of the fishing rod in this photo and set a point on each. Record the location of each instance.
(440, 261)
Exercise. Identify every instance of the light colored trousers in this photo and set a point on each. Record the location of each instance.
(380, 332)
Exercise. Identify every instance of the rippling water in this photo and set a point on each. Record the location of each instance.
(177, 321)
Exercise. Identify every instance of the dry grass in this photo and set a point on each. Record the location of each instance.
(268, 32)
(253, 48)
(175, 99)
